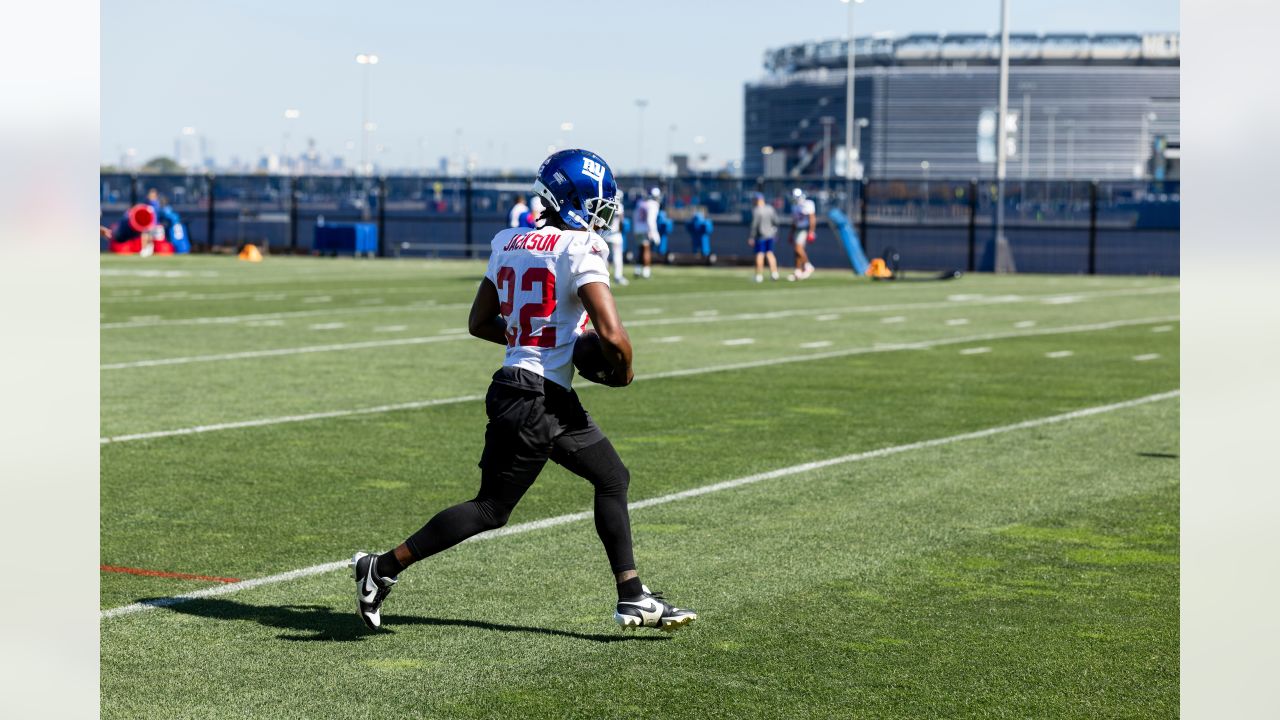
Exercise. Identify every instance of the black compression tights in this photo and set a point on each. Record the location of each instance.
(492, 507)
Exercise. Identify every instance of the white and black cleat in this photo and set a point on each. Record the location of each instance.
(371, 589)
(651, 610)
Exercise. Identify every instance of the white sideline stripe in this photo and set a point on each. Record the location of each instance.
(289, 419)
(919, 345)
(661, 500)
(280, 351)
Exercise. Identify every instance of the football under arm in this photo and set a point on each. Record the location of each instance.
(598, 301)
(486, 321)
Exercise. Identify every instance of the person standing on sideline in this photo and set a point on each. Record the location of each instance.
(518, 212)
(764, 230)
(804, 222)
(535, 299)
(644, 228)
(613, 236)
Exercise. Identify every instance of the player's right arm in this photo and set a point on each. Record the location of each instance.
(597, 300)
(486, 321)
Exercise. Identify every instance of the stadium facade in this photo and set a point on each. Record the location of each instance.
(1085, 107)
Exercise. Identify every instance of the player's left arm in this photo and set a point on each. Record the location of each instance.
(597, 299)
(486, 320)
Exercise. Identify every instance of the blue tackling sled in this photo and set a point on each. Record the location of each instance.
(849, 237)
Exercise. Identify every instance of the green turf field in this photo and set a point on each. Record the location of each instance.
(264, 419)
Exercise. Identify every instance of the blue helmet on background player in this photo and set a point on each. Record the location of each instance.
(579, 186)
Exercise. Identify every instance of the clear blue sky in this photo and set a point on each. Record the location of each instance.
(506, 74)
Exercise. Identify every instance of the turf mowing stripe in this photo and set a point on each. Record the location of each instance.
(280, 351)
(698, 317)
(235, 319)
(919, 345)
(663, 499)
(418, 404)
(164, 574)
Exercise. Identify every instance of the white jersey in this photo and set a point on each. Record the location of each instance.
(645, 219)
(537, 274)
(516, 217)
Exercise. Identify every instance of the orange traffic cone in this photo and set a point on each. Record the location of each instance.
(878, 269)
(250, 253)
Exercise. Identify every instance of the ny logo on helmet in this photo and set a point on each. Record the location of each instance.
(593, 169)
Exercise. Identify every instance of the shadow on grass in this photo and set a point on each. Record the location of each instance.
(1163, 456)
(323, 624)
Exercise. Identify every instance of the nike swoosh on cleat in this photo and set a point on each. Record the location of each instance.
(370, 589)
(650, 612)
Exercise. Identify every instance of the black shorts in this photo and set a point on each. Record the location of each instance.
(531, 420)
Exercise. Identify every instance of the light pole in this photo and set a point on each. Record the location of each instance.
(289, 114)
(850, 121)
(641, 104)
(924, 168)
(826, 121)
(368, 60)
(1144, 152)
(1003, 256)
(668, 165)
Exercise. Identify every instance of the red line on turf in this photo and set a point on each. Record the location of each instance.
(163, 574)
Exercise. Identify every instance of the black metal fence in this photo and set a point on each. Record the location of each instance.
(1114, 227)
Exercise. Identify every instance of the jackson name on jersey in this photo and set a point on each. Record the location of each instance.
(537, 274)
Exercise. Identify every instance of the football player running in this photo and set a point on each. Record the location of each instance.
(537, 294)
(804, 222)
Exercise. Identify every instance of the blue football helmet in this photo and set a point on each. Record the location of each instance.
(579, 186)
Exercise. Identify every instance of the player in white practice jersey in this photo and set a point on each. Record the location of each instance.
(644, 228)
(613, 236)
(804, 222)
(539, 292)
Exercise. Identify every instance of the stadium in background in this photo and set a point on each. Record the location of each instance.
(1082, 107)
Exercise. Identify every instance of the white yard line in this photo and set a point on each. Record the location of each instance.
(669, 339)
(328, 326)
(826, 318)
(739, 341)
(957, 321)
(1162, 328)
(816, 344)
(1025, 324)
(919, 345)
(892, 320)
(520, 528)
(975, 351)
(1059, 354)
(1146, 357)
